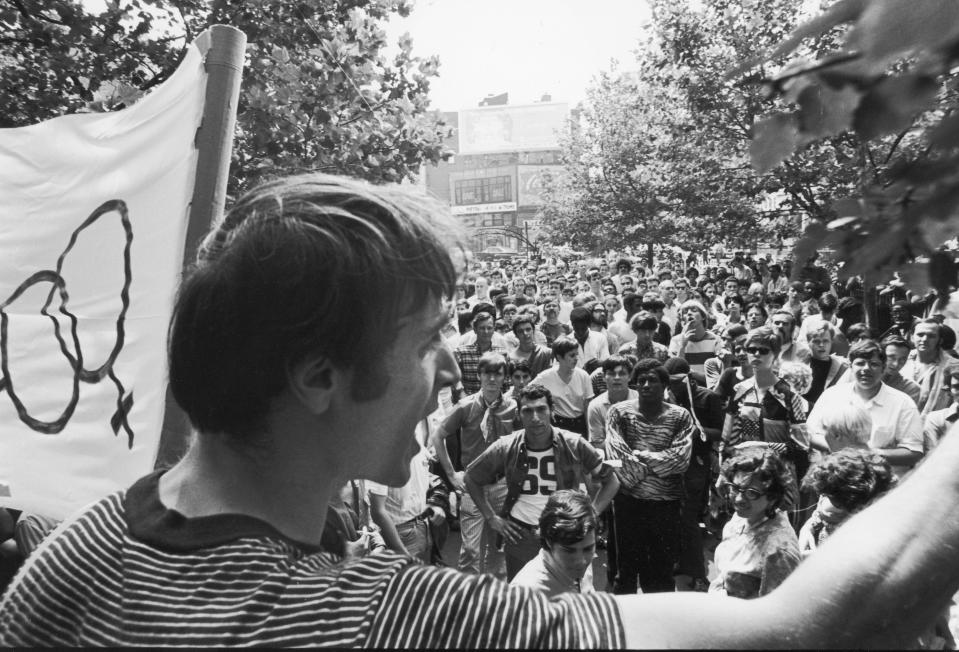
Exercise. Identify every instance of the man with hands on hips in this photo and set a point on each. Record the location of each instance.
(535, 462)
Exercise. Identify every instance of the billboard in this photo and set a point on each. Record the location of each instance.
(531, 179)
(511, 128)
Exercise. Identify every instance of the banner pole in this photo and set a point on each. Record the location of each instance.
(214, 142)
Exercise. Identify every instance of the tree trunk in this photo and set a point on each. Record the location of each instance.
(649, 255)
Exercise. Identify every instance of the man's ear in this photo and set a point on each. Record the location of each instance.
(315, 381)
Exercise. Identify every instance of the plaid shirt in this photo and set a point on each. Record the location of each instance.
(468, 357)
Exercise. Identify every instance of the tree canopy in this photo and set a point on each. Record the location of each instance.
(319, 92)
(890, 84)
(691, 134)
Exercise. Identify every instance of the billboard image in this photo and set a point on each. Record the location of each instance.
(511, 128)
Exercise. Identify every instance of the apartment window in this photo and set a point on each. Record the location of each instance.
(483, 191)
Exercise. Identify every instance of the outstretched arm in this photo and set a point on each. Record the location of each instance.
(878, 581)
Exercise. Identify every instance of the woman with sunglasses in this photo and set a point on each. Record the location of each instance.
(765, 409)
(759, 548)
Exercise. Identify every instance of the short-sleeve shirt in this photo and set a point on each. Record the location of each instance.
(467, 417)
(895, 419)
(129, 572)
(569, 399)
(596, 416)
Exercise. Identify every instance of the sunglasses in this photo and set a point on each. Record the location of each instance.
(758, 350)
(731, 488)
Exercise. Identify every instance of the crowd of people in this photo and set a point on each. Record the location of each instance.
(719, 396)
(353, 390)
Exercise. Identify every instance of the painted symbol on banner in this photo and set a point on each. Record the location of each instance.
(69, 339)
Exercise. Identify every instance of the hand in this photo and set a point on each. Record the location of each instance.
(358, 548)
(458, 480)
(510, 531)
(639, 465)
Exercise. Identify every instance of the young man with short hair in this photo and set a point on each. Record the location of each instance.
(535, 462)
(567, 538)
(477, 420)
(896, 424)
(539, 358)
(897, 354)
(569, 386)
(929, 366)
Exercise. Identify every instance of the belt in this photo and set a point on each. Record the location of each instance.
(424, 516)
(532, 529)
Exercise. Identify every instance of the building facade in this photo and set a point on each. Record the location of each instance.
(494, 181)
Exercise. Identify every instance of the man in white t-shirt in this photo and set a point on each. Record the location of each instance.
(569, 385)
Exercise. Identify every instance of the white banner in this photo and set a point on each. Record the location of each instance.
(94, 216)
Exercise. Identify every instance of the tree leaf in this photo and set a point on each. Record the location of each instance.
(893, 104)
(824, 111)
(889, 29)
(946, 134)
(774, 139)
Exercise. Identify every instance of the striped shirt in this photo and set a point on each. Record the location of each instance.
(130, 572)
(664, 445)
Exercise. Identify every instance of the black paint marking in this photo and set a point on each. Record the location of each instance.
(80, 373)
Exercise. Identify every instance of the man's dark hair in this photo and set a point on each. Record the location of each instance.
(895, 340)
(624, 262)
(523, 318)
(613, 361)
(479, 318)
(533, 392)
(647, 365)
(274, 279)
(491, 362)
(828, 302)
(654, 305)
(865, 349)
(563, 345)
(519, 365)
(580, 316)
(567, 519)
(483, 306)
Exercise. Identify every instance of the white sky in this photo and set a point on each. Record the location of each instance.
(524, 47)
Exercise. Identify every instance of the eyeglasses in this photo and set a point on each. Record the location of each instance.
(749, 493)
(758, 350)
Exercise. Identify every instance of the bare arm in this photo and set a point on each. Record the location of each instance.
(443, 457)
(387, 528)
(881, 578)
(607, 491)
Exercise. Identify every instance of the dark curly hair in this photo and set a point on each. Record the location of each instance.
(763, 463)
(850, 478)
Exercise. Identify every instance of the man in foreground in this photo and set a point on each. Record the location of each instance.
(294, 387)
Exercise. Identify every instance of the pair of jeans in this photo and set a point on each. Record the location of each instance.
(521, 553)
(478, 553)
(415, 535)
(647, 544)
